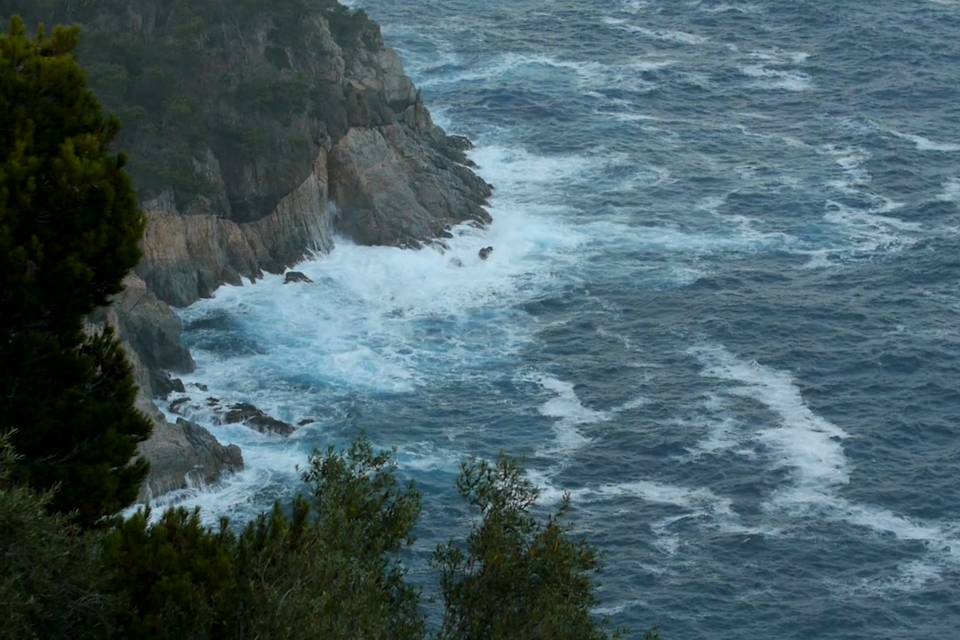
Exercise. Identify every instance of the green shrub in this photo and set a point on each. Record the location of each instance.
(516, 578)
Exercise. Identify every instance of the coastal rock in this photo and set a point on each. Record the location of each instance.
(251, 416)
(391, 188)
(150, 328)
(180, 455)
(185, 455)
(186, 257)
(296, 276)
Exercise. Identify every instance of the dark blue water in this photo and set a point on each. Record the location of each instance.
(721, 310)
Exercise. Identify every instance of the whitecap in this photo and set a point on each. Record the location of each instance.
(767, 78)
(810, 447)
(951, 191)
(664, 35)
(569, 413)
(925, 144)
(804, 442)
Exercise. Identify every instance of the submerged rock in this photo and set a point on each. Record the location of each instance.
(296, 276)
(251, 416)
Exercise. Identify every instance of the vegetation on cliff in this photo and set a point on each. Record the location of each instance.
(225, 76)
(328, 566)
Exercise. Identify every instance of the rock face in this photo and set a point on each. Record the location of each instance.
(361, 157)
(182, 454)
(403, 184)
(186, 455)
(186, 257)
(247, 414)
(296, 276)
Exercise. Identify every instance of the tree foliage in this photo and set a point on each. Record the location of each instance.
(516, 578)
(51, 585)
(323, 569)
(69, 232)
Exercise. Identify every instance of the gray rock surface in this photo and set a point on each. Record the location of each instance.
(182, 454)
(249, 415)
(296, 276)
(186, 455)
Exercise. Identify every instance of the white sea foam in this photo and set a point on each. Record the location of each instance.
(865, 229)
(811, 448)
(911, 576)
(698, 504)
(925, 144)
(747, 8)
(589, 74)
(664, 35)
(779, 56)
(724, 433)
(802, 441)
(768, 78)
(951, 191)
(569, 414)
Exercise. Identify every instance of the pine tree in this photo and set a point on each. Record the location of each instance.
(516, 578)
(69, 232)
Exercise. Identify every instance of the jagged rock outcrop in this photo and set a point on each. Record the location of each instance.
(392, 176)
(186, 455)
(186, 257)
(182, 454)
(403, 184)
(292, 277)
(249, 415)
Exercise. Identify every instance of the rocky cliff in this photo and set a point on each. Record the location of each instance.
(256, 132)
(388, 177)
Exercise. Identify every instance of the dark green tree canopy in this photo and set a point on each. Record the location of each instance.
(516, 578)
(69, 218)
(70, 226)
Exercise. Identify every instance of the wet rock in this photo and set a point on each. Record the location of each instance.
(251, 416)
(185, 454)
(177, 405)
(164, 384)
(305, 422)
(296, 276)
(397, 185)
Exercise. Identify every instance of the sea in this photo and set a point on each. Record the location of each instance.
(721, 312)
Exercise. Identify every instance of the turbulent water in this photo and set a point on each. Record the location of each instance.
(721, 310)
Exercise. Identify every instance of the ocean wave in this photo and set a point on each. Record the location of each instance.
(810, 447)
(569, 413)
(951, 191)
(767, 78)
(925, 144)
(663, 35)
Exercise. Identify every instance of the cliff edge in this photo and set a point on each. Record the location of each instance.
(256, 132)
